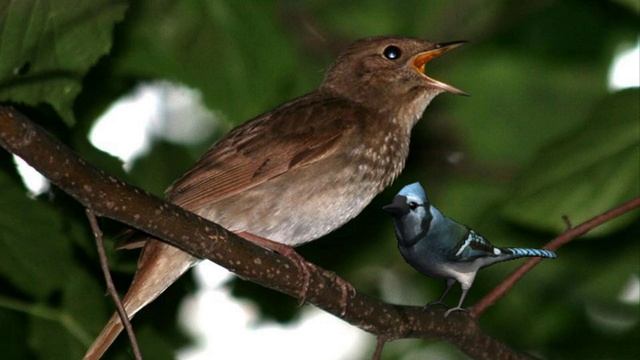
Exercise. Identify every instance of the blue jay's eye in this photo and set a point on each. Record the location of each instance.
(392, 52)
(413, 205)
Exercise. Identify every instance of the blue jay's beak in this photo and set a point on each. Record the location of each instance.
(398, 206)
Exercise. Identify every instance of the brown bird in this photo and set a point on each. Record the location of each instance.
(300, 171)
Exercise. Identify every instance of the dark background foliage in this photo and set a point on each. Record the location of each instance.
(541, 136)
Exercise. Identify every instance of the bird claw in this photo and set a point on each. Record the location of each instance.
(347, 289)
(457, 308)
(304, 267)
(287, 251)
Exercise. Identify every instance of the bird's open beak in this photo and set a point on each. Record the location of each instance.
(398, 207)
(420, 61)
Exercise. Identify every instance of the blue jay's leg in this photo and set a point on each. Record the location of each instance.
(465, 280)
(440, 301)
(459, 307)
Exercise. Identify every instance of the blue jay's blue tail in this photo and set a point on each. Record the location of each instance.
(522, 252)
(506, 254)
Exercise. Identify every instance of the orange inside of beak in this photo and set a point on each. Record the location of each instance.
(422, 59)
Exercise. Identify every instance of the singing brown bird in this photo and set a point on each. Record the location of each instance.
(300, 171)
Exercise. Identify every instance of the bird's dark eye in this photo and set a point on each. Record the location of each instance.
(413, 205)
(392, 52)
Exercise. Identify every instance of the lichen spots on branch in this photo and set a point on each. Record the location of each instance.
(269, 274)
(27, 138)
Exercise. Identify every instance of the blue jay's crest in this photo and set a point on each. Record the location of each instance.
(415, 190)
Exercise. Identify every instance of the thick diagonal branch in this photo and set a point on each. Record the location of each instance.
(112, 198)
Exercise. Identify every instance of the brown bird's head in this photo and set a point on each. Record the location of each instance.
(388, 72)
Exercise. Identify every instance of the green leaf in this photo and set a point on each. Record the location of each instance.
(632, 5)
(48, 46)
(152, 171)
(517, 102)
(83, 299)
(208, 45)
(605, 286)
(51, 340)
(13, 335)
(154, 344)
(584, 173)
(65, 333)
(35, 254)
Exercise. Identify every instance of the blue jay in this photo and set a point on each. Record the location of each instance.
(439, 247)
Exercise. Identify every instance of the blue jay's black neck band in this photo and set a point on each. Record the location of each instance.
(426, 222)
(407, 237)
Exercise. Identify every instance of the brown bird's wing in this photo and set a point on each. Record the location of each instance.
(294, 135)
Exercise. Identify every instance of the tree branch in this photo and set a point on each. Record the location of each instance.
(97, 233)
(112, 198)
(571, 233)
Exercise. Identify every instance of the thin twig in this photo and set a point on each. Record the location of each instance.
(567, 222)
(97, 233)
(572, 233)
(380, 341)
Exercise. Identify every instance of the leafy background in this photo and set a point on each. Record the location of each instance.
(541, 136)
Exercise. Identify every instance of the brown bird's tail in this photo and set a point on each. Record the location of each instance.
(159, 266)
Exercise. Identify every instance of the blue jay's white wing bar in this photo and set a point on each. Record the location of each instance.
(476, 242)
